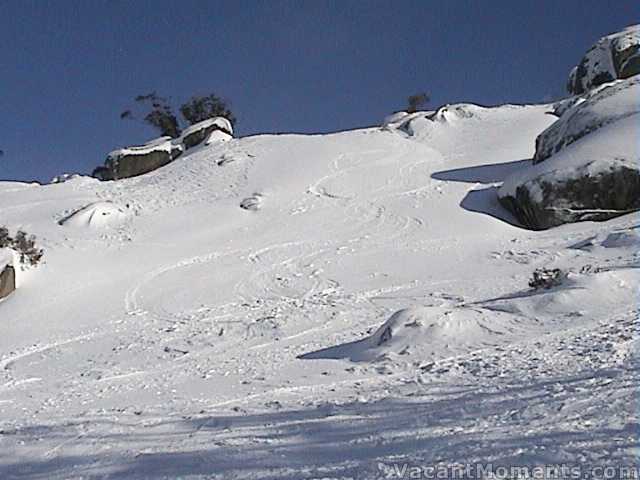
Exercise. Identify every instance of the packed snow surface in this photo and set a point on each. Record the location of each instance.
(373, 312)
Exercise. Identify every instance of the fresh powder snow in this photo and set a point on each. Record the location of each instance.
(318, 306)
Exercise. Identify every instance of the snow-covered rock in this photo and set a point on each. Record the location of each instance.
(445, 114)
(613, 57)
(65, 177)
(201, 131)
(7, 273)
(601, 106)
(586, 165)
(96, 215)
(137, 160)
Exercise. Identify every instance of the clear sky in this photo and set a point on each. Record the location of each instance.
(68, 68)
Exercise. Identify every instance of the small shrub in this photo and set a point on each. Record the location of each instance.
(23, 244)
(546, 278)
(5, 238)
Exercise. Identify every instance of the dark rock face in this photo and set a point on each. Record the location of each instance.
(614, 57)
(134, 161)
(133, 164)
(7, 281)
(587, 197)
(586, 165)
(102, 173)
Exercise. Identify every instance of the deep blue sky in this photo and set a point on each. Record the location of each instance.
(68, 68)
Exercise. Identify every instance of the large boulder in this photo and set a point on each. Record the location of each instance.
(616, 56)
(7, 280)
(138, 160)
(134, 161)
(219, 127)
(586, 165)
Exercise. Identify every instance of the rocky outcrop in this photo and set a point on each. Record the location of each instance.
(201, 131)
(138, 160)
(586, 165)
(548, 201)
(584, 115)
(7, 281)
(616, 56)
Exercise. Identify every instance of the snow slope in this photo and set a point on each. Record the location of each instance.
(193, 338)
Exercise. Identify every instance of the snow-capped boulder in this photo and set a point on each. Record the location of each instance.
(205, 130)
(601, 106)
(137, 160)
(586, 165)
(96, 215)
(616, 56)
(7, 274)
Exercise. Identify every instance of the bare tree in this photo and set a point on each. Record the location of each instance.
(415, 102)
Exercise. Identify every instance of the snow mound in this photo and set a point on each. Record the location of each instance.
(591, 295)
(425, 331)
(613, 57)
(449, 113)
(416, 123)
(96, 215)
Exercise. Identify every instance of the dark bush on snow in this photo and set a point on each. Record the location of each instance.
(546, 278)
(23, 244)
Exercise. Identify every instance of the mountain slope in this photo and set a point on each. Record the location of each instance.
(182, 335)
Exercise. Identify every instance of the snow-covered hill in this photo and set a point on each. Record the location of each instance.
(171, 333)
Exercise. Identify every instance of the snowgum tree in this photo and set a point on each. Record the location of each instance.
(198, 109)
(159, 112)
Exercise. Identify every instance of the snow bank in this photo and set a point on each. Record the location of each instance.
(96, 215)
